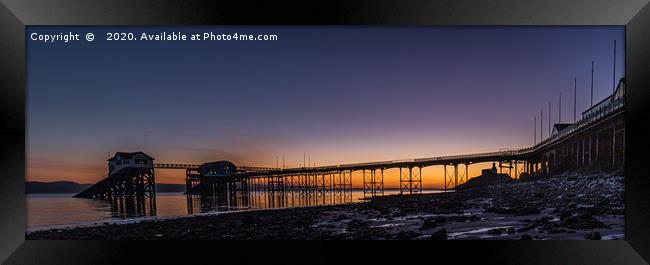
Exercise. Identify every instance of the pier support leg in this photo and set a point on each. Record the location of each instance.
(614, 146)
(410, 180)
(445, 174)
(508, 164)
(455, 175)
(420, 178)
(381, 183)
(589, 151)
(367, 189)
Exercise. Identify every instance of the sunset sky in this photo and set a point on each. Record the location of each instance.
(338, 94)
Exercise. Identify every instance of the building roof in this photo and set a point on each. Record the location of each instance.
(127, 155)
(561, 126)
(619, 87)
(217, 168)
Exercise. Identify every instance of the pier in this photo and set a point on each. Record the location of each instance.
(595, 142)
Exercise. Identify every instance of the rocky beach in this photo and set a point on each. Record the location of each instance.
(558, 207)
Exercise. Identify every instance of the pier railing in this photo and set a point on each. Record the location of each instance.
(595, 114)
(602, 110)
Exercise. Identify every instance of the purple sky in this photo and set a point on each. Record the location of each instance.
(340, 94)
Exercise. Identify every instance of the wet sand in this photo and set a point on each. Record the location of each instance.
(561, 207)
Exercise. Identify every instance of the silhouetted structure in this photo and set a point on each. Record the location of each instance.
(596, 142)
(130, 175)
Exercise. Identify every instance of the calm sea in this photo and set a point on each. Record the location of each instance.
(46, 211)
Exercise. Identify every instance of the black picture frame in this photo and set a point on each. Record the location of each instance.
(15, 15)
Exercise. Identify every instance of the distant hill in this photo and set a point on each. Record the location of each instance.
(54, 187)
(32, 187)
(162, 187)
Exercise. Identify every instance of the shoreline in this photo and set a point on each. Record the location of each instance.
(563, 207)
(162, 213)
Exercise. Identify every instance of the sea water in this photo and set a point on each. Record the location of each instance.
(49, 211)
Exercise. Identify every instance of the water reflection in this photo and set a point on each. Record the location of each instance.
(232, 201)
(63, 210)
(243, 200)
(133, 207)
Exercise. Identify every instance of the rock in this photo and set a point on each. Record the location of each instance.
(459, 218)
(398, 214)
(500, 210)
(439, 235)
(403, 235)
(593, 236)
(356, 224)
(583, 221)
(578, 205)
(526, 237)
(565, 214)
(557, 231)
(526, 228)
(428, 224)
(341, 217)
(441, 220)
(528, 210)
(589, 211)
(249, 220)
(495, 231)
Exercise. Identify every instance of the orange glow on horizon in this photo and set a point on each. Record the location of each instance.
(432, 176)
